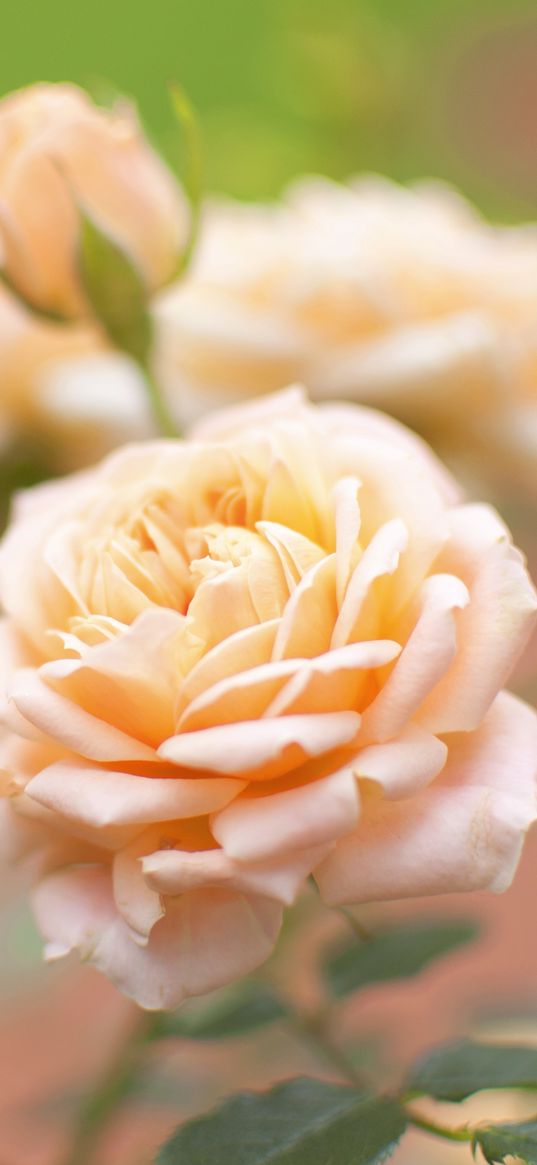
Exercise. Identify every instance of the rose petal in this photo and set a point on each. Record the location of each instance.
(256, 828)
(101, 797)
(266, 748)
(464, 832)
(428, 651)
(208, 937)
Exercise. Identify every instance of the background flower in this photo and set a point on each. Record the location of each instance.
(271, 650)
(401, 298)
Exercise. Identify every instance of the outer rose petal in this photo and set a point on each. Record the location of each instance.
(494, 627)
(65, 721)
(207, 938)
(464, 832)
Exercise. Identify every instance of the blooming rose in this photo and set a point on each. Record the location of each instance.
(271, 650)
(400, 298)
(57, 149)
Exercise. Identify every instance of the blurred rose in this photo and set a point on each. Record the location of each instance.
(62, 392)
(55, 147)
(229, 662)
(401, 298)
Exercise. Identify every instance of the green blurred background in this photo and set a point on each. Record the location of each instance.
(410, 88)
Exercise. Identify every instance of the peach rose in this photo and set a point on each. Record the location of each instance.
(55, 146)
(63, 392)
(404, 299)
(271, 650)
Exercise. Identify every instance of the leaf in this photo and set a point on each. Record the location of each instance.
(395, 954)
(512, 1140)
(234, 1013)
(115, 289)
(300, 1122)
(457, 1070)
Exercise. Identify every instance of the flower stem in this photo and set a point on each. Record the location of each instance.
(314, 1029)
(97, 1109)
(463, 1133)
(163, 417)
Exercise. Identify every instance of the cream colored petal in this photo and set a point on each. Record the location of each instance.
(348, 522)
(425, 658)
(464, 832)
(308, 619)
(102, 797)
(257, 828)
(175, 872)
(65, 722)
(248, 648)
(332, 682)
(361, 612)
(404, 765)
(261, 748)
(208, 937)
(492, 629)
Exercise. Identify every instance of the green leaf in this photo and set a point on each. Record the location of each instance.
(512, 1140)
(115, 289)
(395, 954)
(457, 1070)
(232, 1013)
(300, 1122)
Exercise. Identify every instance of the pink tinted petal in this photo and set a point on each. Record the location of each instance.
(269, 747)
(174, 872)
(428, 651)
(102, 797)
(492, 630)
(404, 765)
(59, 718)
(464, 832)
(255, 828)
(208, 937)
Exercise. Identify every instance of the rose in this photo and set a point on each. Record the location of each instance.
(271, 650)
(400, 298)
(62, 392)
(54, 141)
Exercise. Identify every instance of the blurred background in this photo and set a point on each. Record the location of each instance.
(408, 88)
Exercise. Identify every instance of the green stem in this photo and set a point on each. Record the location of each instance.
(314, 1029)
(163, 417)
(116, 1085)
(461, 1134)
